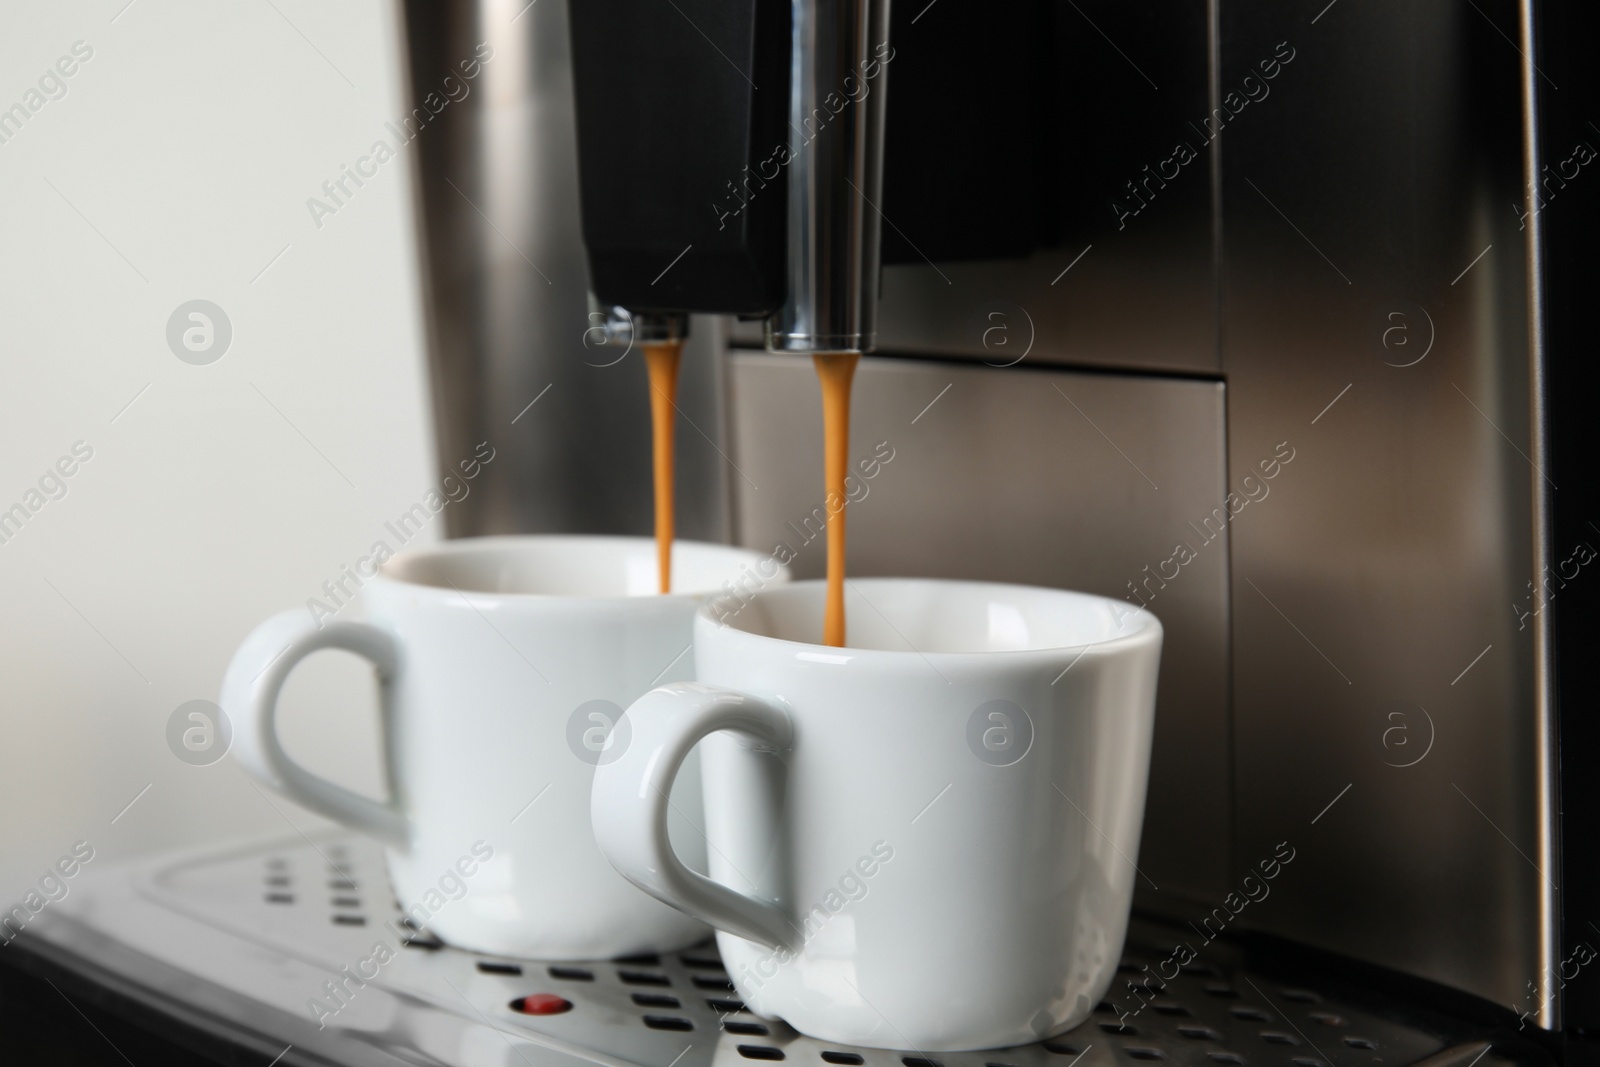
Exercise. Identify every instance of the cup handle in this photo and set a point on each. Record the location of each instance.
(250, 690)
(629, 802)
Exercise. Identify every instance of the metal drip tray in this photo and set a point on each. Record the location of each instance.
(241, 942)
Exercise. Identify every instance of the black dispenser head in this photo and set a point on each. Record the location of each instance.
(682, 108)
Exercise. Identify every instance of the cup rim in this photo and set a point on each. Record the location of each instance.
(1147, 630)
(462, 546)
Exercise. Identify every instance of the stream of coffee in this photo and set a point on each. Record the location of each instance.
(836, 371)
(662, 359)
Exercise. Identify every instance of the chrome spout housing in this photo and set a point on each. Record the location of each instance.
(839, 82)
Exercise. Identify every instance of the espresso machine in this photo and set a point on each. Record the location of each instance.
(1183, 305)
(1240, 312)
(1262, 317)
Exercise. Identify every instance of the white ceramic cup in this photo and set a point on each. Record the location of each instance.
(503, 666)
(924, 840)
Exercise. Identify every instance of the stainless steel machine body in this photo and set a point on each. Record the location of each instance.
(1294, 238)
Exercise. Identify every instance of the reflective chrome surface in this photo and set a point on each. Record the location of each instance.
(1079, 481)
(517, 358)
(837, 91)
(1547, 769)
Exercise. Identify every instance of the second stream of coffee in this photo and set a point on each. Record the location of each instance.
(836, 371)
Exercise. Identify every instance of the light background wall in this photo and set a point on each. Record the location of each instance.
(177, 166)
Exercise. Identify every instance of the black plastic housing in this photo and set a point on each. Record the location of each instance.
(682, 107)
(971, 163)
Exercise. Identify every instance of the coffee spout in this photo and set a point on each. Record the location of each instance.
(837, 89)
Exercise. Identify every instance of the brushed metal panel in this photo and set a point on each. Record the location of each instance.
(508, 280)
(1375, 190)
(1049, 478)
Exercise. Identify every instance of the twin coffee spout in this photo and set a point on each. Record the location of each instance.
(731, 162)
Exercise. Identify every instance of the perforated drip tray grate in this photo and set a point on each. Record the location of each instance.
(241, 941)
